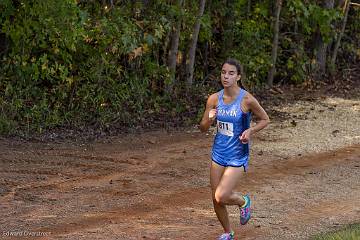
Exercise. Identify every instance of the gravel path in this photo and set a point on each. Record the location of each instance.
(313, 127)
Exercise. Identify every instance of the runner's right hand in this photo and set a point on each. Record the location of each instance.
(212, 114)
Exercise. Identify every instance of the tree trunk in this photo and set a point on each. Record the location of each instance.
(174, 48)
(192, 49)
(206, 52)
(248, 8)
(228, 34)
(275, 46)
(321, 46)
(337, 44)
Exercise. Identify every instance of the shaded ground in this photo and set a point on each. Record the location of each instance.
(304, 179)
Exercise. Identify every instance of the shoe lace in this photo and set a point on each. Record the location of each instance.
(242, 211)
(226, 236)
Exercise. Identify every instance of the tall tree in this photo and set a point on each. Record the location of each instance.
(228, 24)
(321, 45)
(172, 57)
(275, 45)
(248, 8)
(193, 44)
(341, 33)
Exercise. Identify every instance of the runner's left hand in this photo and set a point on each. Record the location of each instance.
(245, 136)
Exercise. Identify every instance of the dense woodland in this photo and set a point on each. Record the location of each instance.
(112, 64)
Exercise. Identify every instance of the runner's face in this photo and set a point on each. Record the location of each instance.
(229, 75)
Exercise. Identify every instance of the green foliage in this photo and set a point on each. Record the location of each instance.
(307, 20)
(350, 47)
(206, 29)
(6, 9)
(76, 63)
(351, 232)
(253, 44)
(311, 16)
(37, 70)
(71, 66)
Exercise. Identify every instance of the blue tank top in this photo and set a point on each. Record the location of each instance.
(231, 122)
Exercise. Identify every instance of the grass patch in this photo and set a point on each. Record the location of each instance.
(351, 232)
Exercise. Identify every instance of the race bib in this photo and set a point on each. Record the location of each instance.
(225, 128)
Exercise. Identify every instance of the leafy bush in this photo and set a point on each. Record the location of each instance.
(85, 63)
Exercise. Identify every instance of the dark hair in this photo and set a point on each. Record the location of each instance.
(236, 63)
(239, 69)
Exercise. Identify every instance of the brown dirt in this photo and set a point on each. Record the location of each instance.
(155, 185)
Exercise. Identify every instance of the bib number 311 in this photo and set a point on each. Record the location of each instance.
(225, 128)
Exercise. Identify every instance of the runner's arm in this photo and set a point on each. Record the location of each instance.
(259, 112)
(206, 122)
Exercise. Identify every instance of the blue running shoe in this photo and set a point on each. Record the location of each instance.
(227, 236)
(245, 211)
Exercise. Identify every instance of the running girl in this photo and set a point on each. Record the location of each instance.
(232, 108)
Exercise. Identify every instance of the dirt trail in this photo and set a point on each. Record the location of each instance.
(155, 185)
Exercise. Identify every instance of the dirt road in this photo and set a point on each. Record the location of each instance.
(155, 185)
